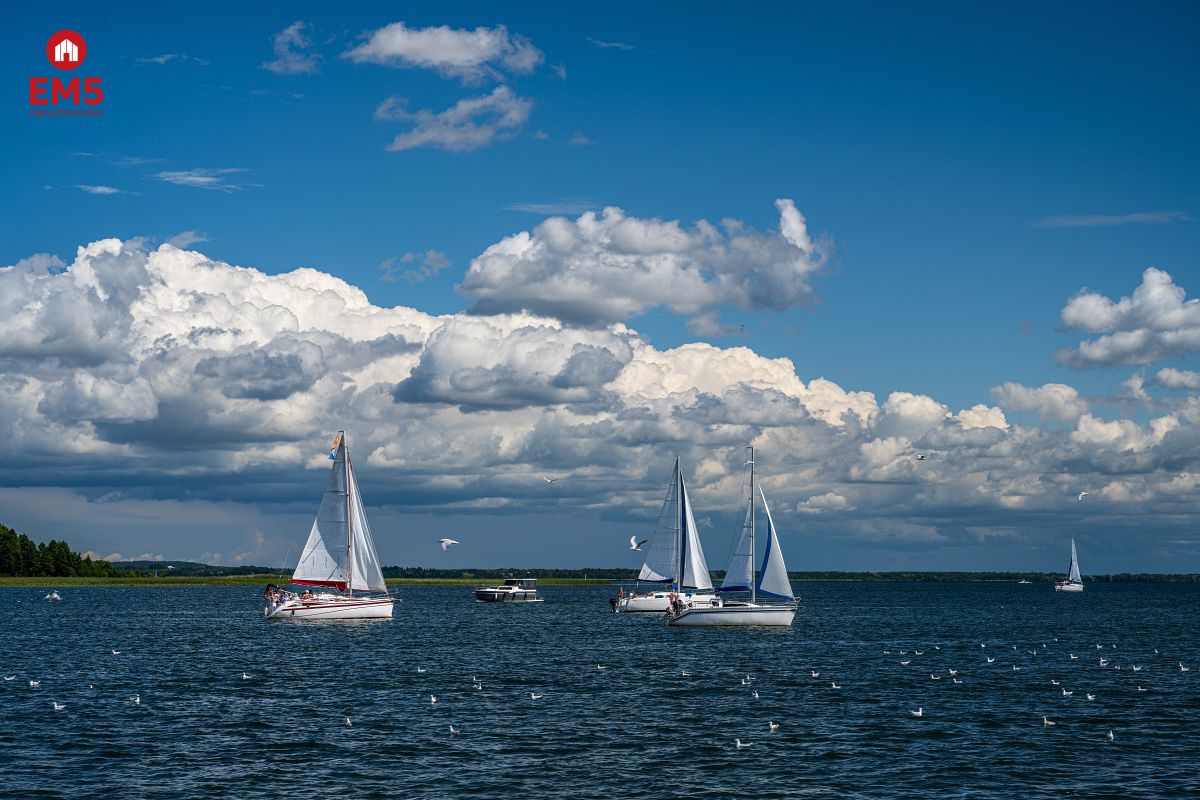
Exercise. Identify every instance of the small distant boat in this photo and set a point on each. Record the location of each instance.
(513, 590)
(771, 581)
(1074, 582)
(53, 596)
(1022, 581)
(339, 555)
(674, 557)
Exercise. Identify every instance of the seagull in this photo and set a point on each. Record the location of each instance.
(137, 699)
(742, 745)
(601, 666)
(59, 706)
(549, 480)
(477, 685)
(1066, 693)
(956, 680)
(35, 683)
(1047, 723)
(445, 543)
(453, 731)
(1140, 689)
(1016, 668)
(245, 677)
(887, 652)
(933, 677)
(772, 725)
(1056, 683)
(1136, 668)
(918, 652)
(902, 663)
(1182, 668)
(990, 659)
(1082, 495)
(535, 696)
(432, 699)
(981, 644)
(685, 673)
(1073, 656)
(920, 712)
(1110, 736)
(745, 681)
(1104, 662)
(816, 674)
(935, 647)
(634, 544)
(922, 457)
(116, 652)
(834, 685)
(10, 677)
(903, 652)
(756, 695)
(1091, 697)
(421, 670)
(1099, 647)
(1156, 651)
(952, 672)
(348, 725)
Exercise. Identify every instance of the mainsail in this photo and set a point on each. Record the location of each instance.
(675, 555)
(1073, 571)
(773, 578)
(339, 551)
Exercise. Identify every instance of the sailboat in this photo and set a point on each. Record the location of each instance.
(339, 555)
(771, 581)
(675, 557)
(1074, 582)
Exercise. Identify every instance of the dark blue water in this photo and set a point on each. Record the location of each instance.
(638, 729)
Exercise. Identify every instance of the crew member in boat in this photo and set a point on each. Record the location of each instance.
(308, 595)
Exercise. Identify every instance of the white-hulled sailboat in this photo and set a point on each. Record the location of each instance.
(675, 557)
(339, 555)
(1074, 581)
(771, 581)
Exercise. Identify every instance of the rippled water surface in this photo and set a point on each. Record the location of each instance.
(639, 728)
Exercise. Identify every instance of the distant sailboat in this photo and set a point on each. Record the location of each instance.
(1074, 582)
(339, 554)
(772, 579)
(675, 557)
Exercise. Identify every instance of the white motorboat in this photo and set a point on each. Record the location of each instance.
(339, 557)
(1074, 581)
(513, 590)
(772, 580)
(675, 557)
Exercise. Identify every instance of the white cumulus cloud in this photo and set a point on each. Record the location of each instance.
(454, 52)
(469, 124)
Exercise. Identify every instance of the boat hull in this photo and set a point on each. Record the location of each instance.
(1068, 587)
(338, 608)
(492, 596)
(734, 616)
(655, 602)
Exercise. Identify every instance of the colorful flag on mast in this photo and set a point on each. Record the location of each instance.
(333, 450)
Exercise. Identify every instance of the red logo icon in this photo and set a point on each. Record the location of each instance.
(66, 49)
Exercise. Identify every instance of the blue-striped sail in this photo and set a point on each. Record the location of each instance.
(773, 578)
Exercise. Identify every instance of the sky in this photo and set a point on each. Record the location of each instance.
(497, 242)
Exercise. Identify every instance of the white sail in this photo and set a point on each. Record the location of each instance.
(695, 569)
(662, 559)
(1073, 572)
(773, 578)
(366, 575)
(740, 572)
(333, 543)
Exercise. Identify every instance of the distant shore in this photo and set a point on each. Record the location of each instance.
(593, 579)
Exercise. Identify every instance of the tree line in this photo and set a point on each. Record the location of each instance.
(21, 557)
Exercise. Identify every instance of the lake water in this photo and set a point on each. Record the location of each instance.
(637, 729)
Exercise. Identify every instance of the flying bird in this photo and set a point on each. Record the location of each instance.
(922, 457)
(1082, 495)
(445, 543)
(549, 480)
(634, 544)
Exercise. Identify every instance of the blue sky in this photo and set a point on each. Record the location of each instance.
(966, 172)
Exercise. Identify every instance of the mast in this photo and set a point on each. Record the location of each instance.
(349, 532)
(752, 504)
(681, 525)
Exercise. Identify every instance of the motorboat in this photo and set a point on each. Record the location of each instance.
(513, 590)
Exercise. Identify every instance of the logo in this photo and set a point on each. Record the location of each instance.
(66, 97)
(66, 49)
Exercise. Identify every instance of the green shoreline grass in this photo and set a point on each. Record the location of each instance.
(263, 579)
